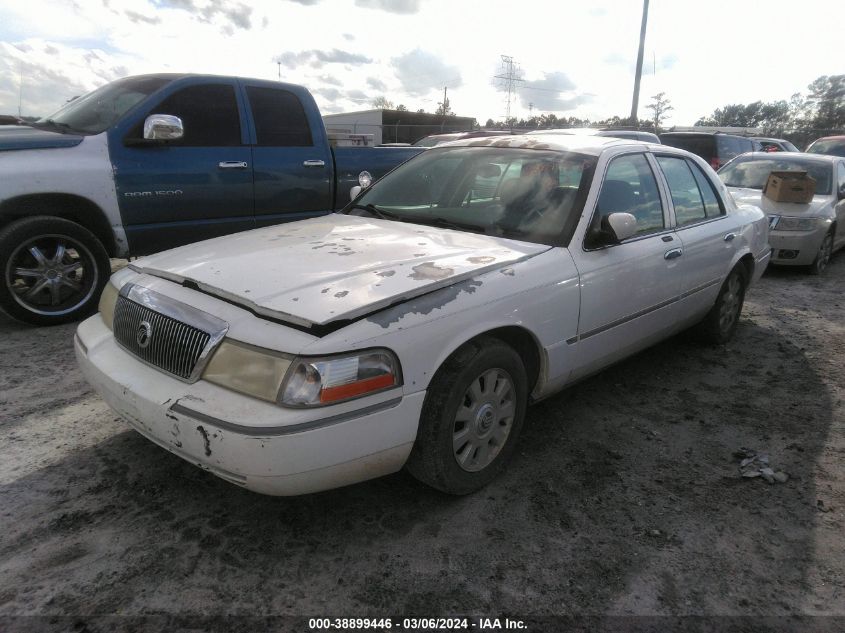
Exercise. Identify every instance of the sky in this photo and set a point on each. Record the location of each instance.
(574, 58)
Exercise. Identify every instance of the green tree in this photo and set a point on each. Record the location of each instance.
(401, 108)
(827, 99)
(382, 103)
(660, 107)
(443, 108)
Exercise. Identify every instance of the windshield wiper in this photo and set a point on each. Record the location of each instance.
(447, 224)
(374, 210)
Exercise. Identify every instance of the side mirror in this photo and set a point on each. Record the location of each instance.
(842, 192)
(163, 127)
(353, 193)
(619, 226)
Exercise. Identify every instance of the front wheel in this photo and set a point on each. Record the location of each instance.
(53, 270)
(721, 322)
(823, 256)
(471, 419)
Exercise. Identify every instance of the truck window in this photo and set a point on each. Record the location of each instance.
(279, 118)
(209, 114)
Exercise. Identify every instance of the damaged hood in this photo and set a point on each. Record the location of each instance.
(755, 197)
(333, 267)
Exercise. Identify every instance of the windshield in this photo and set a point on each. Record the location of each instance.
(752, 173)
(530, 195)
(832, 147)
(97, 111)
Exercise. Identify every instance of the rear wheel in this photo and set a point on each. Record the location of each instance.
(53, 270)
(721, 322)
(471, 419)
(823, 256)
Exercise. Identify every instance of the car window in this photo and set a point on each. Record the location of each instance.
(752, 172)
(731, 146)
(508, 192)
(209, 115)
(700, 145)
(686, 196)
(840, 177)
(833, 147)
(712, 204)
(630, 187)
(279, 118)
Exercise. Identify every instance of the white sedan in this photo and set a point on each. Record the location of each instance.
(802, 234)
(415, 327)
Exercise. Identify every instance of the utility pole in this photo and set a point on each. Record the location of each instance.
(635, 103)
(510, 76)
(279, 64)
(20, 92)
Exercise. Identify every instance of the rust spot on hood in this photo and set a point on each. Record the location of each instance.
(430, 270)
(486, 259)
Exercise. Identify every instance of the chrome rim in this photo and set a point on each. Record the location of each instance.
(51, 274)
(484, 420)
(731, 302)
(824, 253)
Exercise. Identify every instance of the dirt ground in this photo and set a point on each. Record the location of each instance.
(625, 497)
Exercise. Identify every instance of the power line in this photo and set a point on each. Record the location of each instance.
(510, 75)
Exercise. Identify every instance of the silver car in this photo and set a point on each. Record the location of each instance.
(800, 234)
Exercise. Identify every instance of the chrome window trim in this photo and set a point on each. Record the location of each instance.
(215, 328)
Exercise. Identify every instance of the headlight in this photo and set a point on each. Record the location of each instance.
(107, 302)
(319, 381)
(247, 369)
(786, 223)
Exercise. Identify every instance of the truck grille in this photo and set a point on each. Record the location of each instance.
(161, 340)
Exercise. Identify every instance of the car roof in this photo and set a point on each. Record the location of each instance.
(791, 156)
(768, 138)
(584, 144)
(831, 138)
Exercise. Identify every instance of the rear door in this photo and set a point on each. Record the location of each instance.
(292, 163)
(708, 236)
(191, 189)
(629, 290)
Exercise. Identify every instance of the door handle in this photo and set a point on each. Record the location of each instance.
(729, 237)
(232, 164)
(673, 254)
(314, 163)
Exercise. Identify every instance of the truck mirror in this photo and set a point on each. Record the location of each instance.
(163, 127)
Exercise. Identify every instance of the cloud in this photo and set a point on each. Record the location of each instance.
(307, 3)
(420, 72)
(357, 95)
(376, 84)
(348, 36)
(404, 7)
(650, 64)
(328, 79)
(332, 94)
(316, 58)
(235, 14)
(546, 94)
(137, 17)
(47, 85)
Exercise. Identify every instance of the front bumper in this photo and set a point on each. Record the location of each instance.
(796, 248)
(252, 443)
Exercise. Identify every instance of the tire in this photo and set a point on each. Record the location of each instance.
(720, 324)
(471, 418)
(53, 270)
(823, 256)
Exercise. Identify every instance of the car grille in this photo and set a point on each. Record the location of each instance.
(158, 339)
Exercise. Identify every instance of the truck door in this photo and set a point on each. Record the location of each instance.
(294, 171)
(197, 187)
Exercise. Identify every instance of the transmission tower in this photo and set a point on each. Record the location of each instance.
(510, 75)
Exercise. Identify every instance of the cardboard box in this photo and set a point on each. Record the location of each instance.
(790, 186)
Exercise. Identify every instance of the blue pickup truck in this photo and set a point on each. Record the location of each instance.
(151, 162)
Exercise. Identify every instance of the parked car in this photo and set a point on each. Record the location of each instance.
(147, 163)
(415, 326)
(433, 140)
(762, 144)
(801, 234)
(634, 135)
(714, 147)
(832, 145)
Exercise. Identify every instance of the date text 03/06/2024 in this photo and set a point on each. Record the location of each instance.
(415, 624)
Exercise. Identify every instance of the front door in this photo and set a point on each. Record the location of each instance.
(628, 290)
(177, 192)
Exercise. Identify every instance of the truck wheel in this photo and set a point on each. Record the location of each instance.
(471, 418)
(719, 325)
(53, 270)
